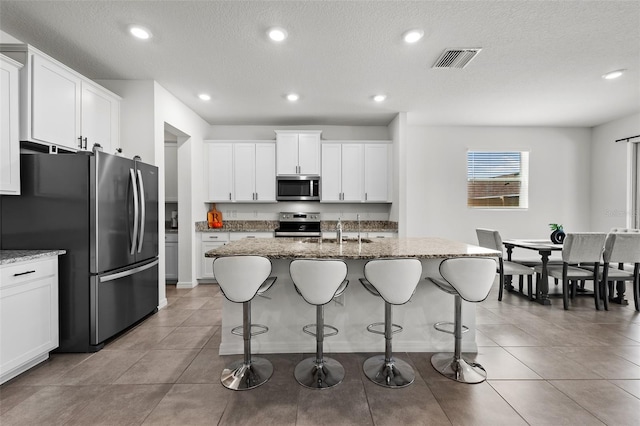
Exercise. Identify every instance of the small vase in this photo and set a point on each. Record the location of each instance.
(557, 236)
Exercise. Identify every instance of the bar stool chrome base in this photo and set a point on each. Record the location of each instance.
(394, 374)
(313, 375)
(241, 376)
(459, 370)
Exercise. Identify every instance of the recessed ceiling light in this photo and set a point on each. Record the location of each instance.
(412, 36)
(613, 74)
(204, 97)
(379, 98)
(292, 97)
(277, 34)
(140, 32)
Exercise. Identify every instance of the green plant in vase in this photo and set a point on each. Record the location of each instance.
(557, 234)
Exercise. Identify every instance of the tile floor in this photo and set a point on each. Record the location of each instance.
(545, 365)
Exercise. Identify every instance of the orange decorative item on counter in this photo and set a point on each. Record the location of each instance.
(214, 217)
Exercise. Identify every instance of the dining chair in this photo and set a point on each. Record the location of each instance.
(620, 248)
(578, 248)
(491, 239)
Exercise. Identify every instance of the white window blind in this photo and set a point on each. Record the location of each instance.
(498, 179)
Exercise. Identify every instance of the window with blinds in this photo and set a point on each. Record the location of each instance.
(498, 179)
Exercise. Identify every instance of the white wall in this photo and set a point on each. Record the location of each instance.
(610, 173)
(436, 186)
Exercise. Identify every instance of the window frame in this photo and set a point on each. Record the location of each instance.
(523, 179)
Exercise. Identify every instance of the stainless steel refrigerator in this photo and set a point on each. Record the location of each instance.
(103, 210)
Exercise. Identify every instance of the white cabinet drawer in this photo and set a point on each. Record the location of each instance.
(215, 236)
(27, 271)
(235, 236)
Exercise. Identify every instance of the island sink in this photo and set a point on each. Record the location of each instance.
(335, 240)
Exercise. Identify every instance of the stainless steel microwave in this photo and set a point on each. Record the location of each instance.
(298, 188)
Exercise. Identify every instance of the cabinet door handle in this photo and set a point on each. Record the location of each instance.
(229, 196)
(80, 142)
(23, 273)
(256, 196)
(366, 196)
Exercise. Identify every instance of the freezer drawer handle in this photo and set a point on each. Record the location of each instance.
(23, 273)
(129, 272)
(134, 185)
(142, 211)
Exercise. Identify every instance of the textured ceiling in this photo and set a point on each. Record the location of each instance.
(541, 62)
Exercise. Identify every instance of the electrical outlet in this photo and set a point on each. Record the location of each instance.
(234, 213)
(255, 213)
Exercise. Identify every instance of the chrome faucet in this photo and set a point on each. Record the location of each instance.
(358, 219)
(339, 231)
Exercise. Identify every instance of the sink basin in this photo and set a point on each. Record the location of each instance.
(335, 240)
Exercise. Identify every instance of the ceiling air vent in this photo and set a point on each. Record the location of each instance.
(456, 58)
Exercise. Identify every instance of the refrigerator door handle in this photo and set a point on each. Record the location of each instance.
(134, 185)
(143, 212)
(128, 272)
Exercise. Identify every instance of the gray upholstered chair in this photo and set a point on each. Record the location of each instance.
(578, 248)
(489, 238)
(621, 247)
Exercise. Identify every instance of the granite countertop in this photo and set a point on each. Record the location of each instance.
(13, 256)
(289, 248)
(325, 226)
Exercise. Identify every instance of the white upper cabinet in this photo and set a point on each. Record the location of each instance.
(9, 127)
(355, 172)
(342, 172)
(220, 168)
(377, 172)
(298, 152)
(100, 118)
(242, 172)
(62, 108)
(265, 172)
(55, 106)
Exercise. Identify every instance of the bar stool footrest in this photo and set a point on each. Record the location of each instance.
(309, 327)
(261, 329)
(449, 327)
(395, 328)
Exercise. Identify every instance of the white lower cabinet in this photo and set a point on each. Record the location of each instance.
(209, 241)
(28, 314)
(171, 257)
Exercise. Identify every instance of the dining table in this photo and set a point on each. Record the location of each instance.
(544, 249)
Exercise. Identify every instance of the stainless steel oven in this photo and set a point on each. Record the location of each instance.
(298, 188)
(298, 224)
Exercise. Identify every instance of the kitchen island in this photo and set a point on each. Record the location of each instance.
(285, 312)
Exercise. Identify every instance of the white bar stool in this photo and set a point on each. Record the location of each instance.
(319, 281)
(468, 278)
(241, 278)
(395, 280)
